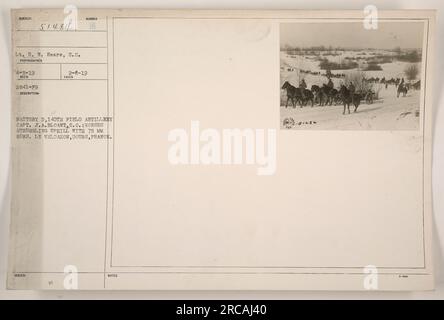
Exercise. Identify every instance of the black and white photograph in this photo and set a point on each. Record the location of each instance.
(343, 76)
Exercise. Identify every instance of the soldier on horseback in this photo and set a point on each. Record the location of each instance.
(402, 88)
(302, 87)
(352, 88)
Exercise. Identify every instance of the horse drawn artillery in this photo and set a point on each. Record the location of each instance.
(326, 95)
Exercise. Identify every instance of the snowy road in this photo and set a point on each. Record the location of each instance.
(389, 113)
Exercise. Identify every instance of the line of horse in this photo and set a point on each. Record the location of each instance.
(325, 95)
(396, 82)
(327, 74)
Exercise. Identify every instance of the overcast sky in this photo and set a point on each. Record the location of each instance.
(352, 34)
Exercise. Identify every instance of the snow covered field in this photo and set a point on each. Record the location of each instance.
(386, 113)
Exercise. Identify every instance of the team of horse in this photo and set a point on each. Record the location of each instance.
(295, 95)
(395, 82)
(402, 87)
(327, 95)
